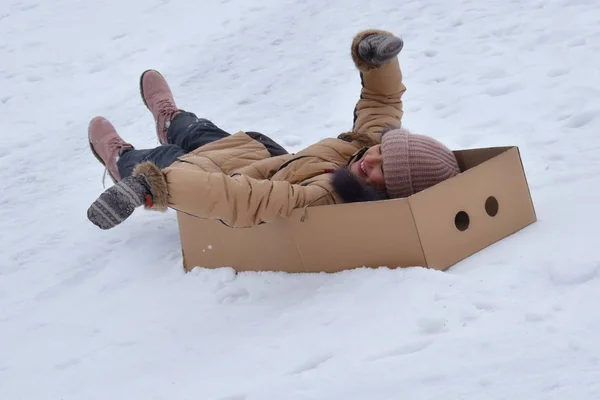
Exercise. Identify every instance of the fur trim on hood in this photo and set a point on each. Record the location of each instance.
(352, 190)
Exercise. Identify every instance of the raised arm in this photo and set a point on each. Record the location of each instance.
(374, 53)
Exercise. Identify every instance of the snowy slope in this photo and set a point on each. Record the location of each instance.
(86, 314)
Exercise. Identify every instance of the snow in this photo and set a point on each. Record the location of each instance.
(86, 314)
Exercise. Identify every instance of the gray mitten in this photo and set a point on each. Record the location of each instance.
(118, 202)
(379, 48)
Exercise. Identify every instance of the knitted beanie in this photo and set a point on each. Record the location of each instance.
(412, 163)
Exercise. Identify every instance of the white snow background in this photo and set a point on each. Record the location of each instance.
(88, 314)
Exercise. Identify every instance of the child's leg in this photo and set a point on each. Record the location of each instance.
(161, 156)
(190, 132)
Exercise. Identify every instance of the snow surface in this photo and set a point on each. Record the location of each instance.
(87, 314)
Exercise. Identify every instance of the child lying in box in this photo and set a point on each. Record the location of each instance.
(246, 178)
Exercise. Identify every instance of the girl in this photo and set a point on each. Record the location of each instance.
(246, 178)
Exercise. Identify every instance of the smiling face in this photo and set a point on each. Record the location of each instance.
(369, 168)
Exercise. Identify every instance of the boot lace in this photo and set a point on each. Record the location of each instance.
(118, 146)
(166, 109)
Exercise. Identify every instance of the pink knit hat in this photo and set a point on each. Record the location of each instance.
(412, 163)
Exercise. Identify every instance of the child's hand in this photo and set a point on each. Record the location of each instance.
(118, 202)
(379, 48)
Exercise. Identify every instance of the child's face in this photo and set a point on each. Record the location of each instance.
(369, 168)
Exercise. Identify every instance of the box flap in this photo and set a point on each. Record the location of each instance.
(467, 213)
(471, 158)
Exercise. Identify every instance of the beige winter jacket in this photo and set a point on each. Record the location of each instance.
(235, 179)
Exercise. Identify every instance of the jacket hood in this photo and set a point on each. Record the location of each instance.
(352, 190)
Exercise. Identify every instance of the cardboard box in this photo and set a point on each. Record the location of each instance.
(435, 228)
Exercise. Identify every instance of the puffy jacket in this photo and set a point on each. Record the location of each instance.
(237, 181)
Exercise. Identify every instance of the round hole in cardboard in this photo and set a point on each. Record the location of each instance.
(462, 221)
(491, 206)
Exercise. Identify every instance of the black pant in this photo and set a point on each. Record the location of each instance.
(186, 133)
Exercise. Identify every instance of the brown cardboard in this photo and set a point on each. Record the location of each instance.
(435, 210)
(421, 230)
(377, 233)
(211, 244)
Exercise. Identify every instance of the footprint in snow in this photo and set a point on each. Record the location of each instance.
(119, 36)
(575, 345)
(311, 364)
(484, 303)
(292, 140)
(574, 274)
(29, 7)
(34, 44)
(229, 295)
(577, 42)
(97, 68)
(67, 364)
(582, 119)
(537, 315)
(485, 382)
(431, 324)
(469, 314)
(558, 71)
(407, 348)
(434, 379)
(449, 111)
(502, 90)
(125, 343)
(555, 157)
(493, 74)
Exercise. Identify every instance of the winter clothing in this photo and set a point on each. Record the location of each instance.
(237, 181)
(161, 156)
(118, 202)
(246, 179)
(107, 146)
(157, 96)
(380, 104)
(412, 163)
(378, 49)
(352, 190)
(186, 133)
(189, 132)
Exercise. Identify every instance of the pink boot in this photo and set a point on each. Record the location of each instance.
(107, 145)
(158, 98)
